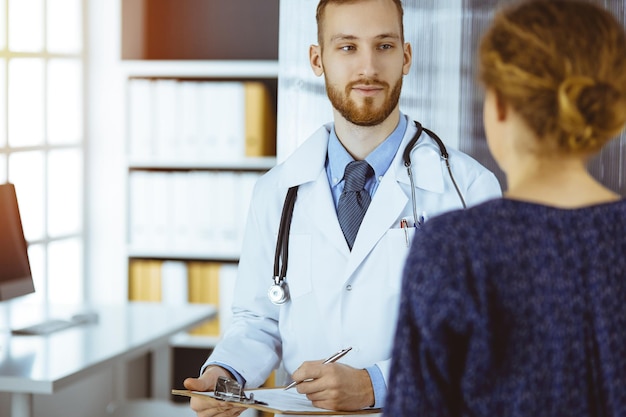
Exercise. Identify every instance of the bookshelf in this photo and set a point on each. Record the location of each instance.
(201, 87)
(199, 134)
(188, 191)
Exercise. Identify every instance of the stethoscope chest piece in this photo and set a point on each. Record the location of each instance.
(278, 293)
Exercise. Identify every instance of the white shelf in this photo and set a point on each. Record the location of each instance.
(146, 253)
(201, 69)
(243, 164)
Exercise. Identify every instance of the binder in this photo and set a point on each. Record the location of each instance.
(204, 279)
(260, 121)
(140, 117)
(144, 281)
(174, 283)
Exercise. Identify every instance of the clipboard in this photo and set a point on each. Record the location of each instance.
(271, 400)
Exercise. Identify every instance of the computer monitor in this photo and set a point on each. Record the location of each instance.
(15, 274)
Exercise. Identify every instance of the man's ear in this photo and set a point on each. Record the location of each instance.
(408, 56)
(315, 59)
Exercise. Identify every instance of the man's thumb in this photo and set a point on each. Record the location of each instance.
(196, 384)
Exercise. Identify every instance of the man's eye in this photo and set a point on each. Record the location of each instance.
(347, 48)
(386, 46)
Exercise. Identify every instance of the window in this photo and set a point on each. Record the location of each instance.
(42, 137)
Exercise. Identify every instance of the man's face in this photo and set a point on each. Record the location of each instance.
(363, 59)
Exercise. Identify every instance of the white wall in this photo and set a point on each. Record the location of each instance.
(106, 217)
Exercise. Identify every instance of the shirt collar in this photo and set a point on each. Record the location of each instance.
(379, 159)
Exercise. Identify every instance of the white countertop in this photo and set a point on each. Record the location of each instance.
(44, 364)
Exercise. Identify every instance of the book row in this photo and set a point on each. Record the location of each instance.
(200, 213)
(170, 118)
(179, 283)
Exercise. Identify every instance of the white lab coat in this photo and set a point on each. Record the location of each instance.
(339, 298)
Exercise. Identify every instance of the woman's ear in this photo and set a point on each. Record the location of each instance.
(315, 59)
(501, 106)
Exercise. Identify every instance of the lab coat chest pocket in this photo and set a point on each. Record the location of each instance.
(398, 244)
(299, 270)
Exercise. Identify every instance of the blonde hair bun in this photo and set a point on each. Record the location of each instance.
(590, 112)
(561, 64)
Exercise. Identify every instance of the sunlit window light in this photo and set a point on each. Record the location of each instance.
(26, 25)
(65, 277)
(42, 137)
(3, 39)
(26, 102)
(64, 192)
(3, 168)
(26, 171)
(65, 118)
(36, 258)
(3, 94)
(64, 26)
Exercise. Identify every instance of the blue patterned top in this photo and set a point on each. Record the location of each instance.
(514, 309)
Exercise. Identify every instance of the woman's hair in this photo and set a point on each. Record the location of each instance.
(321, 9)
(561, 64)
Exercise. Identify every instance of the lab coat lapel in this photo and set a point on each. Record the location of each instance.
(385, 208)
(307, 161)
(319, 206)
(306, 166)
(390, 200)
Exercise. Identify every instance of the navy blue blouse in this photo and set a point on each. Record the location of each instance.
(513, 309)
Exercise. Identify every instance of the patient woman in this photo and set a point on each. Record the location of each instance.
(517, 307)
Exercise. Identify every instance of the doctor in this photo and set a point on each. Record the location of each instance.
(340, 294)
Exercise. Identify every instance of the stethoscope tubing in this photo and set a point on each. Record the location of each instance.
(406, 157)
(282, 242)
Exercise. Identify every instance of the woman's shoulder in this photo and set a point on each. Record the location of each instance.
(490, 211)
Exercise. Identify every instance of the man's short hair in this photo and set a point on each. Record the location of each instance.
(321, 8)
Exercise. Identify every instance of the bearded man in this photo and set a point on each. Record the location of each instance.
(350, 227)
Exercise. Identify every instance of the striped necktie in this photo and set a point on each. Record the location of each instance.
(354, 199)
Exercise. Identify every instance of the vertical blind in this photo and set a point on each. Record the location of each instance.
(608, 166)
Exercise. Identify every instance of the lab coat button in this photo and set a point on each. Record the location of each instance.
(349, 287)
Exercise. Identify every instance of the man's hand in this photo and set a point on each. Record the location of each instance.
(335, 386)
(210, 407)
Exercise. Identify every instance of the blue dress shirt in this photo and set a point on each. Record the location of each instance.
(380, 159)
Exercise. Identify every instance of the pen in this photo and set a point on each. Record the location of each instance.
(405, 225)
(332, 359)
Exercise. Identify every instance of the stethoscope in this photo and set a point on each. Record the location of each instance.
(278, 293)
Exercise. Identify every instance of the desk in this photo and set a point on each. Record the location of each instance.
(44, 364)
